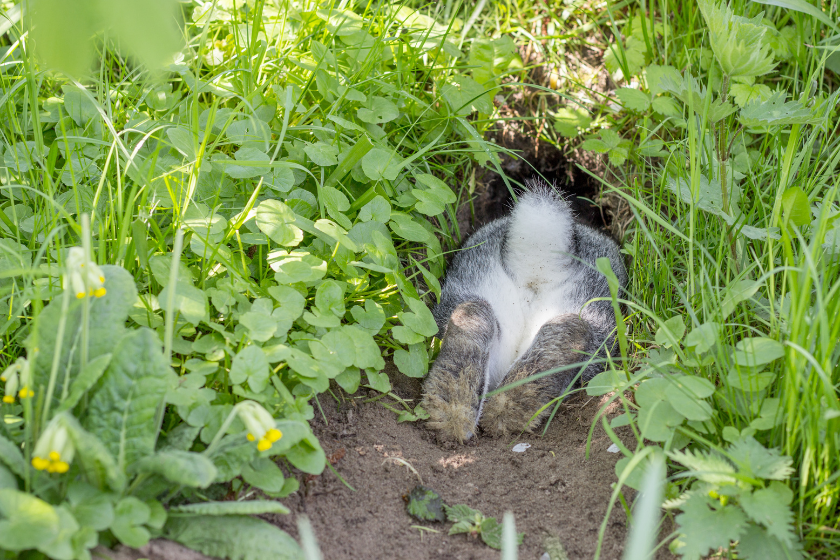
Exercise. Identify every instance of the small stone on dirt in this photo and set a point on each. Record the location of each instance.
(613, 448)
(521, 447)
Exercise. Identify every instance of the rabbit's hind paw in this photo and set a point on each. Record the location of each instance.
(513, 412)
(452, 403)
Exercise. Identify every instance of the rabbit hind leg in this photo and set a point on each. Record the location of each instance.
(562, 341)
(454, 389)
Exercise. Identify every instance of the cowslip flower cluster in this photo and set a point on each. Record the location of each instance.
(83, 276)
(17, 378)
(259, 423)
(54, 450)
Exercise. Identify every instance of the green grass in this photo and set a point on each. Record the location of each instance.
(349, 122)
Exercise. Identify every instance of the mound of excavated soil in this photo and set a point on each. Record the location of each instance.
(551, 488)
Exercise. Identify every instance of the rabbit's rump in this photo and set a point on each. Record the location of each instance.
(529, 277)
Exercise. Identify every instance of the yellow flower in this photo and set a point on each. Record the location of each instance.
(84, 277)
(18, 381)
(54, 450)
(259, 423)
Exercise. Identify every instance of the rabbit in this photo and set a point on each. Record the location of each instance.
(516, 301)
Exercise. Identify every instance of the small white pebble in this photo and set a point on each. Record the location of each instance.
(545, 556)
(613, 448)
(521, 447)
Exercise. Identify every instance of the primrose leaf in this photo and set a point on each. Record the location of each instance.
(123, 406)
(130, 514)
(233, 536)
(425, 504)
(757, 351)
(263, 473)
(705, 525)
(768, 507)
(378, 110)
(276, 220)
(633, 99)
(180, 467)
(26, 521)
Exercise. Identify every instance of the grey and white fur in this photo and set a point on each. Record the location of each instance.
(516, 301)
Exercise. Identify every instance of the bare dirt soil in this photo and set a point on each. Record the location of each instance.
(553, 490)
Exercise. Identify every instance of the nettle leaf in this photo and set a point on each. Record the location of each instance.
(425, 504)
(378, 110)
(321, 153)
(415, 362)
(570, 121)
(633, 99)
(770, 507)
(775, 111)
(183, 468)
(123, 407)
(705, 525)
(276, 220)
(757, 351)
(759, 461)
(743, 93)
(381, 163)
(707, 466)
(378, 209)
(250, 365)
(464, 95)
(757, 544)
(233, 536)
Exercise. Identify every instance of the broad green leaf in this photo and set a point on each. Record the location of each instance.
(633, 99)
(760, 462)
(307, 455)
(261, 326)
(321, 153)
(276, 220)
(433, 199)
(130, 516)
(415, 362)
(658, 420)
(768, 507)
(775, 111)
(335, 231)
(377, 209)
(420, 320)
(190, 301)
(11, 455)
(703, 338)
(796, 206)
(743, 93)
(571, 120)
(654, 74)
(329, 298)
(671, 332)
(605, 382)
(250, 507)
(633, 54)
(749, 382)
(706, 526)
(279, 179)
(231, 456)
(735, 293)
(378, 381)
(403, 225)
(491, 58)
(378, 110)
(86, 379)
(180, 467)
(291, 302)
(425, 504)
(26, 521)
(264, 474)
(349, 379)
(686, 394)
(381, 163)
(464, 95)
(757, 351)
(252, 366)
(106, 327)
(123, 407)
(371, 317)
(97, 463)
(757, 544)
(233, 536)
(368, 354)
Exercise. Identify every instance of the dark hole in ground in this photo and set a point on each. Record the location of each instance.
(492, 198)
